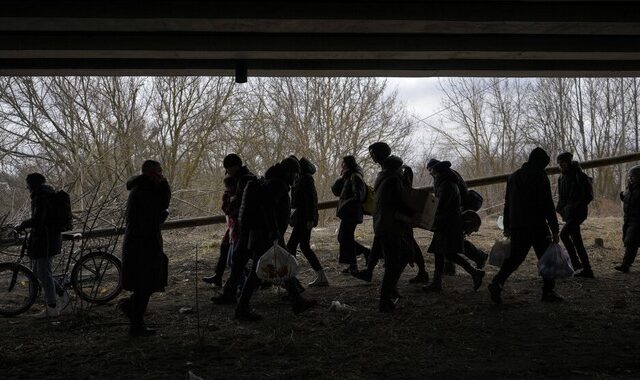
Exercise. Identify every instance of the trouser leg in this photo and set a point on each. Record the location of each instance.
(520, 246)
(461, 261)
(375, 255)
(42, 269)
(305, 247)
(396, 258)
(566, 235)
(418, 258)
(139, 301)
(576, 237)
(473, 253)
(223, 257)
(250, 285)
(240, 259)
(348, 245)
(630, 252)
(294, 240)
(540, 245)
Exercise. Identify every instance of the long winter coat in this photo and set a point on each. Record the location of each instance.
(387, 199)
(447, 224)
(631, 207)
(352, 192)
(44, 239)
(304, 197)
(144, 264)
(268, 208)
(572, 200)
(528, 204)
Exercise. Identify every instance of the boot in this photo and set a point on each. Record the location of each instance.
(350, 269)
(495, 290)
(551, 297)
(246, 315)
(364, 275)
(48, 312)
(482, 260)
(477, 277)
(622, 268)
(387, 306)
(302, 304)
(421, 277)
(213, 280)
(449, 269)
(141, 331)
(585, 273)
(321, 279)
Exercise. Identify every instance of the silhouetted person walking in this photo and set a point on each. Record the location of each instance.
(238, 173)
(304, 201)
(351, 189)
(45, 242)
(631, 227)
(448, 233)
(144, 264)
(529, 213)
(416, 253)
(269, 221)
(390, 233)
(379, 152)
(573, 205)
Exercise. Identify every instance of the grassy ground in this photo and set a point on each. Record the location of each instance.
(456, 334)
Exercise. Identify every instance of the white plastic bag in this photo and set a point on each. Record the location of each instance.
(277, 265)
(500, 251)
(555, 263)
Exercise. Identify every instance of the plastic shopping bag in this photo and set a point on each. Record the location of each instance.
(277, 265)
(555, 263)
(499, 252)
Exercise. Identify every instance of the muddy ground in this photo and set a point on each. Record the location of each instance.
(456, 334)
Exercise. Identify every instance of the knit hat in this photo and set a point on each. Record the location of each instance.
(380, 151)
(231, 160)
(441, 166)
(432, 162)
(565, 157)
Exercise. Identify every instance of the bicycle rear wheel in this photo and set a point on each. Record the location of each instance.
(18, 289)
(96, 277)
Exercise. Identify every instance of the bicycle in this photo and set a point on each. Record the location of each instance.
(95, 276)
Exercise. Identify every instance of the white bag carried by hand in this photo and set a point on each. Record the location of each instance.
(500, 251)
(555, 263)
(277, 265)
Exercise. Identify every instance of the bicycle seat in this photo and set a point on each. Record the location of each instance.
(72, 235)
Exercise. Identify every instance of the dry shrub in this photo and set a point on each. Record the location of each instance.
(603, 207)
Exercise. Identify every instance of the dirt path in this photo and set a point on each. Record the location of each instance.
(456, 334)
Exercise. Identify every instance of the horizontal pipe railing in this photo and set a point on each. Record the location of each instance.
(476, 182)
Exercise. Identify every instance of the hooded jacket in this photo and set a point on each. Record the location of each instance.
(304, 197)
(267, 203)
(44, 239)
(144, 264)
(631, 206)
(448, 219)
(352, 192)
(388, 191)
(572, 202)
(528, 203)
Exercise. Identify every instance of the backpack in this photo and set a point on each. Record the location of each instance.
(61, 215)
(250, 213)
(472, 201)
(368, 205)
(586, 186)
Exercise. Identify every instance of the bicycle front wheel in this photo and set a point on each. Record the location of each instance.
(96, 277)
(18, 289)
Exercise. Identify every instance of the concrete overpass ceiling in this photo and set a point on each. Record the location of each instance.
(334, 38)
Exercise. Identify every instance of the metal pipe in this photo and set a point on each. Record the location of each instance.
(476, 182)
